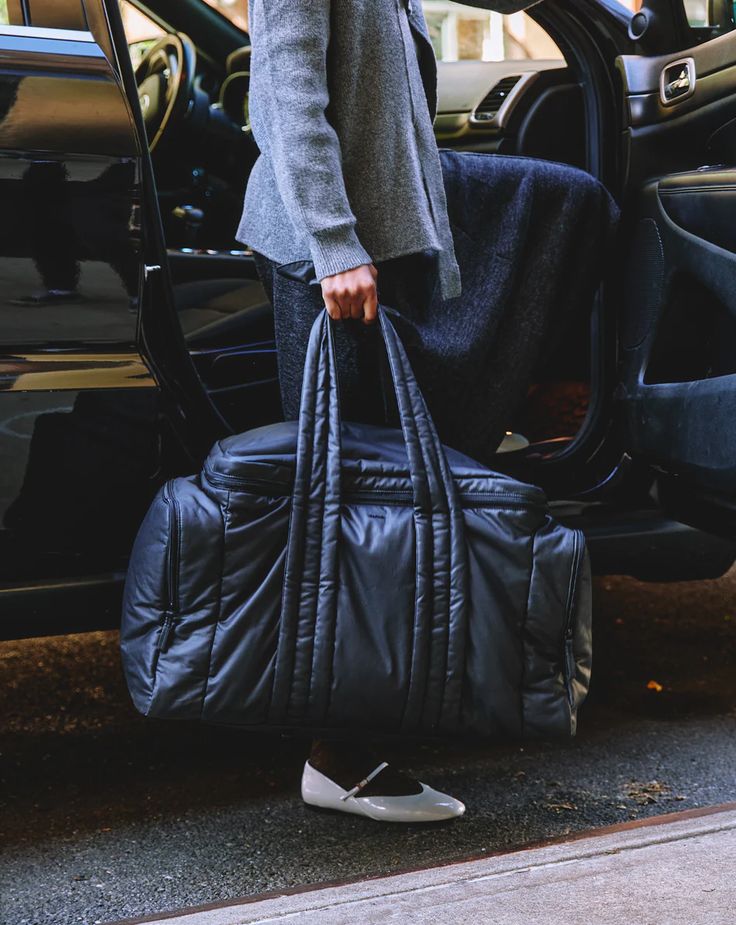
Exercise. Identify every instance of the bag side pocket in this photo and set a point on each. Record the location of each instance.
(556, 634)
(144, 603)
(577, 658)
(171, 601)
(192, 583)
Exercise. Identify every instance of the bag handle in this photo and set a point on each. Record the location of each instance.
(311, 569)
(435, 693)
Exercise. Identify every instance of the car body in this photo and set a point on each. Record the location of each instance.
(121, 191)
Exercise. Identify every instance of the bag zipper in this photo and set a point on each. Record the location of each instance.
(383, 496)
(171, 613)
(265, 486)
(469, 499)
(569, 650)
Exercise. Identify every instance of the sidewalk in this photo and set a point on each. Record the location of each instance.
(672, 870)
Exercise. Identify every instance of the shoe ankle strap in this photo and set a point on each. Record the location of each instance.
(366, 780)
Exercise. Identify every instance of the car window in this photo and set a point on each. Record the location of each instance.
(236, 10)
(46, 14)
(50, 14)
(707, 18)
(711, 16)
(458, 32)
(140, 30)
(462, 33)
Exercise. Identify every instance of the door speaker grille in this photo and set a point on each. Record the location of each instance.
(644, 285)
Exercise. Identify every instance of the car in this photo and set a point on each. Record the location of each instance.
(135, 331)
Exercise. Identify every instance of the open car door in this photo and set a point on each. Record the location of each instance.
(678, 319)
(92, 377)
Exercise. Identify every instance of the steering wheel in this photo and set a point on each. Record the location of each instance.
(165, 81)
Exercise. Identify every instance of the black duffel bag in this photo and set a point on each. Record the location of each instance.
(348, 577)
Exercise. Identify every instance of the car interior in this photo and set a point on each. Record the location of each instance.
(663, 149)
(529, 104)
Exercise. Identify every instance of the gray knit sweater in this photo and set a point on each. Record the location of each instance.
(341, 107)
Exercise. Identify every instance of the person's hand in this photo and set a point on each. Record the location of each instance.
(352, 294)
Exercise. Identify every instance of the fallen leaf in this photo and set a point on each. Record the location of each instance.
(644, 794)
(654, 686)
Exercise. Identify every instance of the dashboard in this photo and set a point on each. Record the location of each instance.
(517, 107)
(480, 96)
(524, 107)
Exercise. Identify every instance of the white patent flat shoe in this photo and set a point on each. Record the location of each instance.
(428, 806)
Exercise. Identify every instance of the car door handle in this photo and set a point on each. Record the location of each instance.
(677, 81)
(148, 269)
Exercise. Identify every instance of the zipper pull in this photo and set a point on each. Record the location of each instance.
(165, 632)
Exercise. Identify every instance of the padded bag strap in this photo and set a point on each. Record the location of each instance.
(311, 555)
(439, 641)
(303, 663)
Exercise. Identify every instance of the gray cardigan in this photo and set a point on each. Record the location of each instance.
(341, 107)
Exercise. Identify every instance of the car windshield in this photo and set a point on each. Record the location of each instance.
(236, 10)
(457, 32)
(467, 33)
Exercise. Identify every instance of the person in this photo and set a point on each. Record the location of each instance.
(345, 208)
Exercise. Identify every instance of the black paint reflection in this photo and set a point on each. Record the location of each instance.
(80, 471)
(69, 250)
(70, 223)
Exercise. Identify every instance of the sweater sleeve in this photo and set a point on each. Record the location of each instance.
(290, 39)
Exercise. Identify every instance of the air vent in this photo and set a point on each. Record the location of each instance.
(488, 108)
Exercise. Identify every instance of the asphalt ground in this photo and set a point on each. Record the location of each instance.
(106, 816)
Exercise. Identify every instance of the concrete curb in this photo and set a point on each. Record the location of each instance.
(672, 870)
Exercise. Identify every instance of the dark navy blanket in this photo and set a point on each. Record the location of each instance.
(532, 240)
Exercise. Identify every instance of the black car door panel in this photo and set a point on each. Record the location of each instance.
(703, 203)
(70, 196)
(79, 428)
(679, 337)
(99, 400)
(642, 73)
(678, 297)
(694, 127)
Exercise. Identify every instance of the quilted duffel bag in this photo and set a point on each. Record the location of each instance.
(346, 577)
